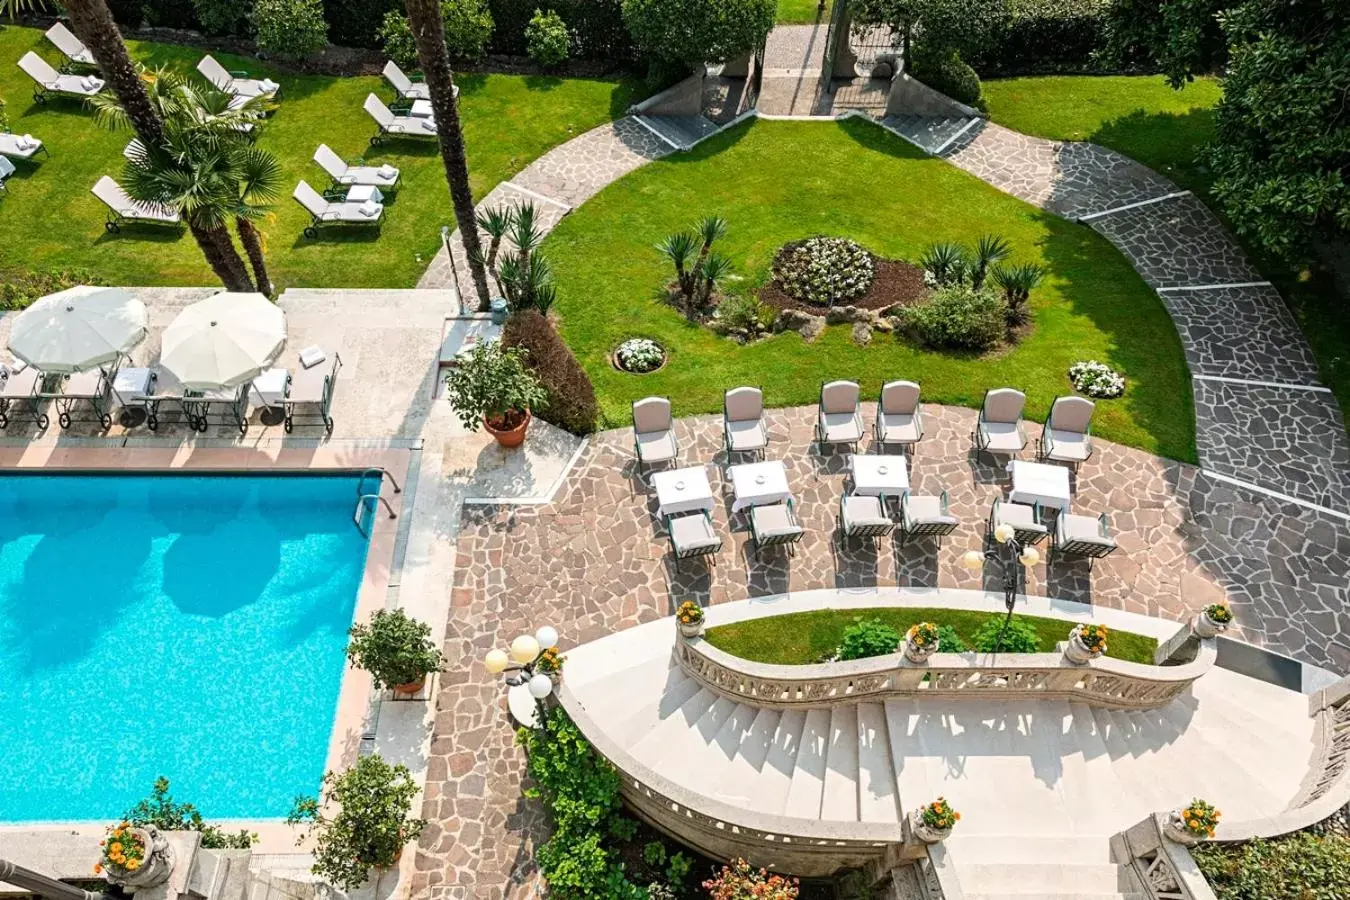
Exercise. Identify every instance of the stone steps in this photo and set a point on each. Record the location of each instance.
(931, 133)
(682, 131)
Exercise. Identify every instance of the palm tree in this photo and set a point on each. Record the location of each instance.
(259, 177)
(428, 28)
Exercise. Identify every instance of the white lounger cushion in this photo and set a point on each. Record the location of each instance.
(78, 85)
(19, 146)
(74, 49)
(116, 199)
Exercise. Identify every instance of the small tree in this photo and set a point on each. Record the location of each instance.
(370, 823)
(393, 648)
(1017, 282)
(294, 28)
(697, 268)
(694, 32)
(493, 384)
(547, 40)
(522, 276)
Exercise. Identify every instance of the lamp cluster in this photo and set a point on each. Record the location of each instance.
(520, 659)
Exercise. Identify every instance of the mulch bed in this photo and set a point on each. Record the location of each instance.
(896, 282)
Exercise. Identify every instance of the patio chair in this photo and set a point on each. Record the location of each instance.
(1067, 436)
(70, 46)
(310, 390)
(409, 87)
(1024, 519)
(6, 170)
(50, 82)
(392, 125)
(93, 387)
(20, 389)
(654, 432)
(925, 516)
(384, 177)
(999, 429)
(341, 212)
(692, 535)
(864, 516)
(1088, 536)
(838, 420)
(237, 84)
(899, 419)
(743, 426)
(774, 525)
(122, 209)
(21, 146)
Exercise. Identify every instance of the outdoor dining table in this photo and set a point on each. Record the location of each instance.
(876, 475)
(758, 484)
(682, 490)
(1039, 483)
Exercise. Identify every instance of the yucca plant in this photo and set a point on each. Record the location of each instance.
(990, 250)
(711, 270)
(947, 262)
(1017, 282)
(521, 275)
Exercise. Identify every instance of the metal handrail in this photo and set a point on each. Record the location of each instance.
(361, 504)
(384, 473)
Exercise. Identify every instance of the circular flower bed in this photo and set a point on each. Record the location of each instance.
(639, 355)
(823, 270)
(1096, 380)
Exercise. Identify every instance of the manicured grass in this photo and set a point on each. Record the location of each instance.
(799, 639)
(802, 12)
(777, 181)
(50, 219)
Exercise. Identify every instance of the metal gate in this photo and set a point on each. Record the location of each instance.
(838, 23)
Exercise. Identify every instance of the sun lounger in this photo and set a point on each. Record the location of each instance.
(20, 395)
(392, 125)
(121, 208)
(310, 393)
(6, 170)
(384, 177)
(236, 83)
(20, 146)
(408, 87)
(69, 391)
(226, 406)
(165, 389)
(69, 45)
(342, 212)
(51, 82)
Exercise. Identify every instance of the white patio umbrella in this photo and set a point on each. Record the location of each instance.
(78, 329)
(223, 341)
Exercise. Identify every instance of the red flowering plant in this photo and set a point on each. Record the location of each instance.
(742, 881)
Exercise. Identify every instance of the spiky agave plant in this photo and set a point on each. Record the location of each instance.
(990, 250)
(711, 270)
(1017, 282)
(681, 248)
(947, 262)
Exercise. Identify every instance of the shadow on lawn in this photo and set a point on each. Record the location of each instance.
(1168, 143)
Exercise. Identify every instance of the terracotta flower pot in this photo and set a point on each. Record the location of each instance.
(509, 437)
(409, 687)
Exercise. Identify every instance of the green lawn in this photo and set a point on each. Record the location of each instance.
(49, 218)
(776, 181)
(802, 12)
(1146, 120)
(799, 639)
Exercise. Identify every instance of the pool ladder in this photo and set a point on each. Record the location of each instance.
(375, 499)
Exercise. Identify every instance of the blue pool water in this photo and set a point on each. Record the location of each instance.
(191, 627)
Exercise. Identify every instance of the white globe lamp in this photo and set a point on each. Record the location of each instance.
(1029, 557)
(1004, 533)
(547, 636)
(524, 649)
(496, 661)
(540, 686)
(973, 560)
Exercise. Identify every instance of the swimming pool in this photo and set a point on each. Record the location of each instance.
(184, 626)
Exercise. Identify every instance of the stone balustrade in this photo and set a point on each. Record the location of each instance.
(1103, 682)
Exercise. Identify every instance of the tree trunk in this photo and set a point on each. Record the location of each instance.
(429, 32)
(93, 24)
(251, 238)
(225, 261)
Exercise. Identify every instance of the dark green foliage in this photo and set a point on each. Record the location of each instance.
(170, 14)
(1305, 866)
(160, 810)
(1174, 36)
(945, 71)
(1019, 638)
(596, 26)
(290, 28)
(19, 289)
(468, 27)
(868, 637)
(355, 23)
(966, 27)
(127, 12)
(1039, 36)
(698, 31)
(959, 317)
(571, 396)
(949, 641)
(547, 40)
(223, 16)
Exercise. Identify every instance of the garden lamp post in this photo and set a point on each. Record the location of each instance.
(518, 666)
(1011, 555)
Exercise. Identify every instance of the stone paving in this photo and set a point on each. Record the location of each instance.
(1241, 332)
(597, 560)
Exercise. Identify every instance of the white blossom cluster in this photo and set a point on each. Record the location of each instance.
(824, 270)
(1096, 379)
(640, 354)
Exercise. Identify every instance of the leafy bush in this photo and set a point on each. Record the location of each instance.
(949, 641)
(493, 383)
(959, 317)
(741, 881)
(18, 290)
(596, 27)
(396, 38)
(547, 40)
(1096, 380)
(1019, 638)
(1306, 866)
(356, 23)
(946, 72)
(222, 16)
(159, 809)
(571, 397)
(823, 270)
(868, 637)
(1045, 36)
(694, 32)
(468, 27)
(745, 312)
(169, 14)
(393, 648)
(294, 28)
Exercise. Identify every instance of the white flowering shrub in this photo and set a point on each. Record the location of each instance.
(824, 270)
(1096, 379)
(640, 355)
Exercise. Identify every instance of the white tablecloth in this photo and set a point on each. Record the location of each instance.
(1039, 483)
(876, 475)
(682, 490)
(758, 484)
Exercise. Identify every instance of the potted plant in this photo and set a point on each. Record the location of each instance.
(934, 822)
(370, 824)
(134, 856)
(492, 386)
(550, 662)
(1086, 643)
(1193, 824)
(690, 617)
(396, 650)
(1211, 620)
(921, 640)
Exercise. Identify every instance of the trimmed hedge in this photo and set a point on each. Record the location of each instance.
(948, 73)
(571, 396)
(596, 26)
(1046, 36)
(353, 23)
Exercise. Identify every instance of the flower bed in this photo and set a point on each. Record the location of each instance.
(823, 271)
(639, 356)
(1096, 380)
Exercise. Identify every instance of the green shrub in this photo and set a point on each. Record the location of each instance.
(19, 289)
(1019, 638)
(694, 32)
(169, 14)
(1045, 36)
(547, 40)
(356, 23)
(868, 637)
(571, 396)
(745, 311)
(222, 16)
(1304, 866)
(949, 641)
(945, 71)
(293, 28)
(160, 810)
(468, 27)
(596, 27)
(393, 648)
(958, 317)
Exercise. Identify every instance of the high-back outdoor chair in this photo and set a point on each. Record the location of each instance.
(774, 525)
(838, 420)
(925, 516)
(999, 429)
(864, 516)
(392, 125)
(692, 535)
(899, 419)
(654, 432)
(743, 425)
(1076, 535)
(1067, 436)
(1024, 518)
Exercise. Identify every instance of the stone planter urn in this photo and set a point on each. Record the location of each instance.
(154, 869)
(1206, 627)
(1077, 652)
(691, 629)
(926, 833)
(917, 653)
(1174, 829)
